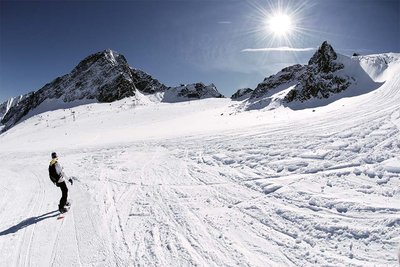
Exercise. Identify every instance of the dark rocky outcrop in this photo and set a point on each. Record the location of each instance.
(286, 75)
(191, 91)
(146, 83)
(320, 78)
(324, 60)
(198, 90)
(7, 105)
(242, 93)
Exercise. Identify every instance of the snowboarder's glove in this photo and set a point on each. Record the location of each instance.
(70, 180)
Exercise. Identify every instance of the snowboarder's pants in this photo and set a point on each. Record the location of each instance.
(64, 191)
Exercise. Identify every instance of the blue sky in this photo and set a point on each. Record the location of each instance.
(224, 42)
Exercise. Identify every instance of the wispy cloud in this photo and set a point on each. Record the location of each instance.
(224, 22)
(278, 49)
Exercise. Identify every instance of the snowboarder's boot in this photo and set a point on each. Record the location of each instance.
(62, 209)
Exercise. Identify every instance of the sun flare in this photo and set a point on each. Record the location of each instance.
(280, 24)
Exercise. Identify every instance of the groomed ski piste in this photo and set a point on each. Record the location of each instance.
(202, 183)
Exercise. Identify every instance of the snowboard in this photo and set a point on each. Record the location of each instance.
(62, 215)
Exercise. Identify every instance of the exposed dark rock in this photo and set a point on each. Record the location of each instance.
(286, 75)
(17, 112)
(241, 93)
(324, 60)
(118, 89)
(191, 91)
(146, 83)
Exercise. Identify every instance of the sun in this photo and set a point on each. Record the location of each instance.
(280, 24)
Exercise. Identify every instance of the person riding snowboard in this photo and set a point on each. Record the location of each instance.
(58, 177)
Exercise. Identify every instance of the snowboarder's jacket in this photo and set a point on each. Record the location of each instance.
(56, 171)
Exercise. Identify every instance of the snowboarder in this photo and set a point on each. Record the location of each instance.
(58, 177)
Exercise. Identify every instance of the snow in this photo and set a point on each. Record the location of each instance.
(376, 65)
(111, 57)
(55, 104)
(392, 165)
(196, 183)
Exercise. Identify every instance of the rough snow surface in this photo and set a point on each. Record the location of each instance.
(194, 183)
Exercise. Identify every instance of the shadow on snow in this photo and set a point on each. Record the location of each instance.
(29, 221)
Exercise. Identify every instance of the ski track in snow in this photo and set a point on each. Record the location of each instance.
(211, 202)
(319, 191)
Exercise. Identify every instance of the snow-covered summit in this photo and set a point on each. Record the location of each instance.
(325, 76)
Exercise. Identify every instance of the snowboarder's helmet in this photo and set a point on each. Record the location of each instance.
(53, 155)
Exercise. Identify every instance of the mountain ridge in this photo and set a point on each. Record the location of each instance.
(325, 78)
(104, 76)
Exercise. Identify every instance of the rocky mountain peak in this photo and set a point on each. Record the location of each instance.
(104, 57)
(104, 76)
(320, 78)
(324, 59)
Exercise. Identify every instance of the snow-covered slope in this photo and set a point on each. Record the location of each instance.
(376, 65)
(193, 183)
